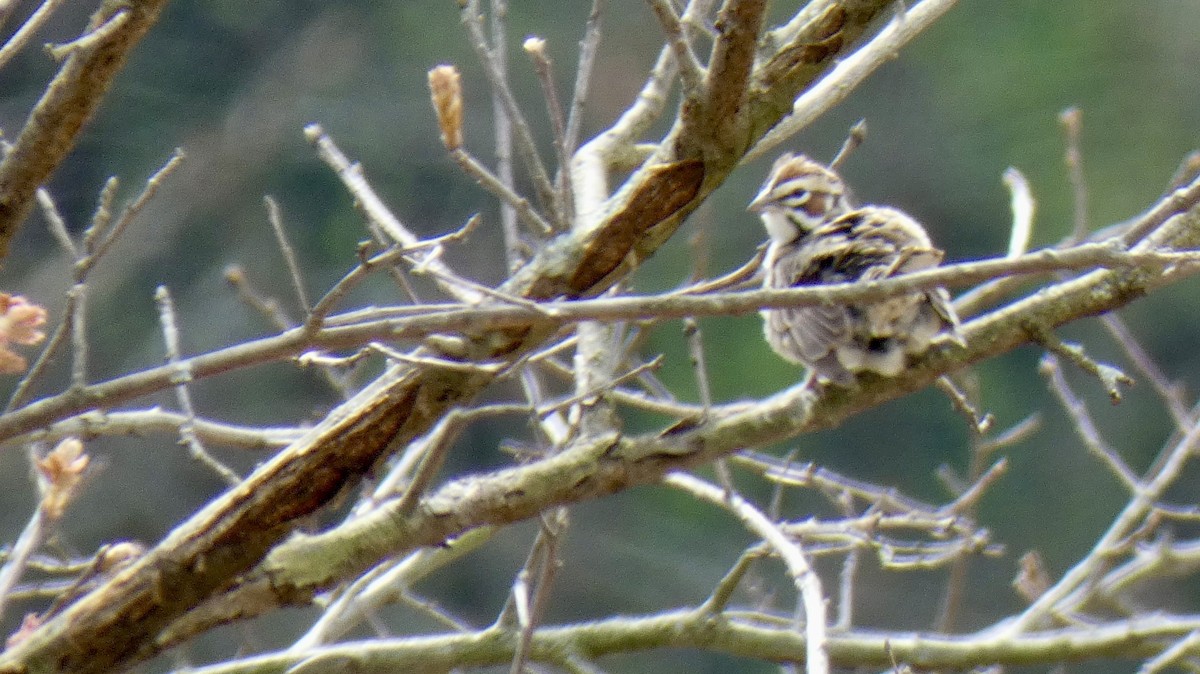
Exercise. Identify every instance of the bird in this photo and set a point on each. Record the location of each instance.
(818, 236)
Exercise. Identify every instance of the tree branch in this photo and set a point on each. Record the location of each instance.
(592, 468)
(739, 635)
(68, 103)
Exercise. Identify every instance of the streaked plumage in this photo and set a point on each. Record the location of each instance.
(799, 195)
(843, 245)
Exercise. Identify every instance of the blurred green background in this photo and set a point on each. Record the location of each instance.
(233, 84)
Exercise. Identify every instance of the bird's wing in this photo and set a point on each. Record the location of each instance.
(812, 331)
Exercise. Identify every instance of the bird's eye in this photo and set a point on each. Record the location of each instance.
(797, 199)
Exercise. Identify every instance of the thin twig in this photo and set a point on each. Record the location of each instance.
(367, 265)
(744, 274)
(497, 55)
(1170, 392)
(434, 449)
(499, 189)
(978, 423)
(275, 217)
(56, 224)
(1072, 122)
(525, 146)
(536, 48)
(600, 389)
(63, 334)
(410, 463)
(79, 344)
(24, 34)
(1110, 377)
(966, 502)
(385, 583)
(376, 211)
(542, 567)
(1187, 171)
(92, 39)
(850, 72)
(725, 587)
(691, 72)
(499, 295)
(1023, 207)
(182, 378)
(1085, 427)
(435, 362)
(632, 399)
(108, 235)
(1187, 646)
(1011, 436)
(154, 420)
(847, 576)
(882, 499)
(691, 331)
(30, 539)
(1059, 596)
(588, 48)
(858, 134)
(988, 294)
(99, 224)
(1179, 200)
(803, 575)
(268, 307)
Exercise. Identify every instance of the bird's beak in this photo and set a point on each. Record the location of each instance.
(759, 203)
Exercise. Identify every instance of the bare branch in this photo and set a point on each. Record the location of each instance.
(56, 224)
(740, 634)
(497, 187)
(1085, 426)
(154, 420)
(850, 71)
(376, 211)
(691, 73)
(1110, 377)
(69, 101)
(79, 345)
(235, 558)
(494, 69)
(24, 34)
(1182, 199)
(289, 254)
(1169, 392)
(807, 582)
(416, 322)
(18, 557)
(1072, 123)
(1065, 594)
(1023, 207)
(181, 379)
(583, 77)
(536, 48)
(100, 239)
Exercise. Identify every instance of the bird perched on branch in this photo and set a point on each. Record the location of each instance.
(818, 237)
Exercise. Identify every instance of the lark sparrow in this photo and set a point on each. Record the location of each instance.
(818, 237)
